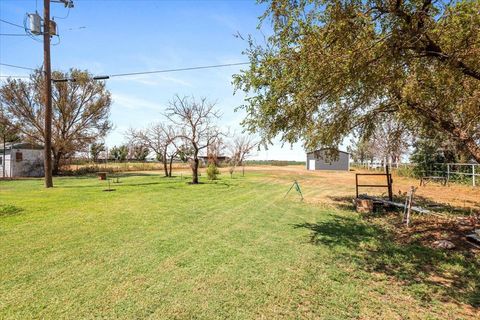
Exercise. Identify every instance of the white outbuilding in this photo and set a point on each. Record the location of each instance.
(21, 160)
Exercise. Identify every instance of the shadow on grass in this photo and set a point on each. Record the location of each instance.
(9, 210)
(426, 272)
(343, 203)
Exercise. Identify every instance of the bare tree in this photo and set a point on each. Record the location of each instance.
(215, 150)
(159, 138)
(80, 111)
(240, 148)
(390, 140)
(196, 120)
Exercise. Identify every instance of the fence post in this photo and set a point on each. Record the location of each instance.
(448, 172)
(473, 175)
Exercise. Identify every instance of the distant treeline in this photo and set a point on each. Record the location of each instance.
(274, 163)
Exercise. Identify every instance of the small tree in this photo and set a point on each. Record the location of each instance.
(215, 150)
(433, 153)
(212, 171)
(240, 148)
(196, 122)
(161, 139)
(140, 152)
(119, 153)
(95, 150)
(184, 152)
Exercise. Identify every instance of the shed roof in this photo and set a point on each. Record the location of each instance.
(330, 149)
(23, 146)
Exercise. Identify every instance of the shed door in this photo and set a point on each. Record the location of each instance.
(311, 164)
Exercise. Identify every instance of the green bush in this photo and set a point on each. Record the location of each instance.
(212, 172)
(407, 171)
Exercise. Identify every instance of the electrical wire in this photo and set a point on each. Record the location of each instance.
(11, 23)
(179, 69)
(14, 77)
(68, 13)
(152, 72)
(14, 34)
(15, 66)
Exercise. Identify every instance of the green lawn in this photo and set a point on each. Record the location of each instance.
(234, 248)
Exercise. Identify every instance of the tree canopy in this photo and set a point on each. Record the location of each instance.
(335, 67)
(80, 110)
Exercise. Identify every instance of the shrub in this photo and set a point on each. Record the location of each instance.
(212, 172)
(407, 171)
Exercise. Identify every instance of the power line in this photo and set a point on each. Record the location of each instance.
(179, 69)
(15, 66)
(13, 24)
(150, 72)
(15, 77)
(14, 34)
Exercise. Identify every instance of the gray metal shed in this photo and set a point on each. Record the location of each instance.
(328, 159)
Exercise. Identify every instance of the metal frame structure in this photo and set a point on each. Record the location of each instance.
(387, 174)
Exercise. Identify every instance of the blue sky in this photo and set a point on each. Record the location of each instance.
(117, 36)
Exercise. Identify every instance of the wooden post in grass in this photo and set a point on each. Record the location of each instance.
(408, 206)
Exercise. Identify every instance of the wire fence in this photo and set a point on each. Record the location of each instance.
(468, 173)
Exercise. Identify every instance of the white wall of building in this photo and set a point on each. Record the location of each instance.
(30, 165)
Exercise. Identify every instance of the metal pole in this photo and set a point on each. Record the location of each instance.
(448, 172)
(473, 175)
(389, 183)
(356, 184)
(48, 95)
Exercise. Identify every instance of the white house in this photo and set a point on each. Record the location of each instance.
(21, 160)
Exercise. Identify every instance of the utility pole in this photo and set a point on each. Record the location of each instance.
(47, 69)
(48, 95)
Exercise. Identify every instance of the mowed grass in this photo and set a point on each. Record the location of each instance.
(234, 248)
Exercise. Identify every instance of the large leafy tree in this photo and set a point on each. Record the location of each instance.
(80, 111)
(334, 67)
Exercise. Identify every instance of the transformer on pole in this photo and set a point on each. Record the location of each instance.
(35, 23)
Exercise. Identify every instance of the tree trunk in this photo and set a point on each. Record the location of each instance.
(4, 160)
(195, 170)
(165, 163)
(57, 157)
(472, 147)
(170, 166)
